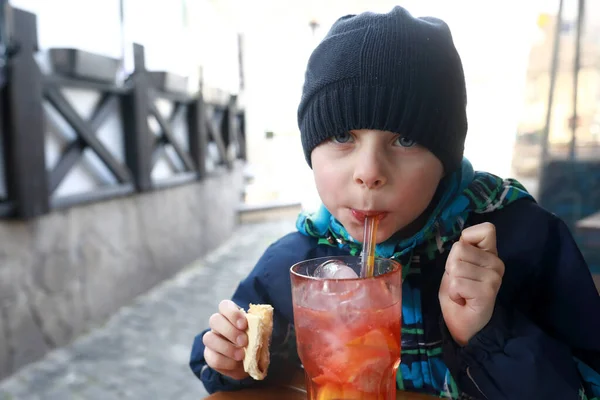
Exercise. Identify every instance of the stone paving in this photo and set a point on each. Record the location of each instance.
(142, 352)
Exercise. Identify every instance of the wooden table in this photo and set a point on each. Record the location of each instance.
(282, 393)
(291, 389)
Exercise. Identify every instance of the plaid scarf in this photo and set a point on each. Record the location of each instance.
(462, 193)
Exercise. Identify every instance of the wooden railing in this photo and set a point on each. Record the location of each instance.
(213, 121)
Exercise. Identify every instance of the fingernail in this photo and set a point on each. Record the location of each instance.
(240, 323)
(239, 355)
(240, 340)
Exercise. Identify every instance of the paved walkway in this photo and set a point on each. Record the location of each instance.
(143, 351)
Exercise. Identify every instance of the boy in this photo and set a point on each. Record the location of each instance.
(498, 302)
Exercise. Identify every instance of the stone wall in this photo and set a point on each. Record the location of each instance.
(65, 273)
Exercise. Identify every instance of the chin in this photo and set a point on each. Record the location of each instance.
(382, 236)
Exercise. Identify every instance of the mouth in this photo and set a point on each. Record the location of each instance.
(361, 215)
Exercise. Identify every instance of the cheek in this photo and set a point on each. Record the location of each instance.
(427, 181)
(421, 183)
(328, 179)
(327, 183)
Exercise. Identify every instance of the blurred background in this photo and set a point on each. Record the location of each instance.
(149, 152)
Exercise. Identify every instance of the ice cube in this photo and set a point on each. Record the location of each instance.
(334, 269)
(328, 269)
(345, 272)
(352, 307)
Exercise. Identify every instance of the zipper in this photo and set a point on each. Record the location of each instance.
(474, 383)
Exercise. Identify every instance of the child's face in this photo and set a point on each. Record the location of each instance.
(367, 172)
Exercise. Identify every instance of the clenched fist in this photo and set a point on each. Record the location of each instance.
(471, 282)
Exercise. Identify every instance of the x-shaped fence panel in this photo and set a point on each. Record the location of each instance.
(214, 130)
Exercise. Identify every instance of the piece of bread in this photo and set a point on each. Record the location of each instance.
(260, 328)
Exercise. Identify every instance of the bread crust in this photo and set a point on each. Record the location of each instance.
(260, 329)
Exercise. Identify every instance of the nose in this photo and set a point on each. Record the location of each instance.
(370, 171)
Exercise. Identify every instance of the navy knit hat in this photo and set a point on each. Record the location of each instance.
(389, 72)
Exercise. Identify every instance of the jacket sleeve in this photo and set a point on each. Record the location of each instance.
(273, 267)
(555, 357)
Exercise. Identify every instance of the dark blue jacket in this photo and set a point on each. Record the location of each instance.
(546, 322)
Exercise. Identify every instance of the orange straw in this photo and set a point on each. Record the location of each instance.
(368, 253)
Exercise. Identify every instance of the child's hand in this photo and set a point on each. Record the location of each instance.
(471, 282)
(224, 351)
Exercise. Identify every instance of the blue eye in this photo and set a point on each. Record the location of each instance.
(342, 138)
(403, 141)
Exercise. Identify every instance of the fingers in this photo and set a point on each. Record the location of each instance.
(482, 236)
(462, 269)
(223, 323)
(473, 275)
(223, 346)
(463, 252)
(220, 325)
(233, 314)
(218, 361)
(467, 291)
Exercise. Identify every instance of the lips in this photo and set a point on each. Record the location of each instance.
(360, 215)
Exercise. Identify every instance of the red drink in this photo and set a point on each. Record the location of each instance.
(348, 331)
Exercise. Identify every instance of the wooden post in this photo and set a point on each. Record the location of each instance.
(550, 104)
(135, 109)
(242, 134)
(26, 175)
(198, 134)
(576, 69)
(235, 127)
(230, 134)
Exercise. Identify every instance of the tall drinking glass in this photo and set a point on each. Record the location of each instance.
(348, 328)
